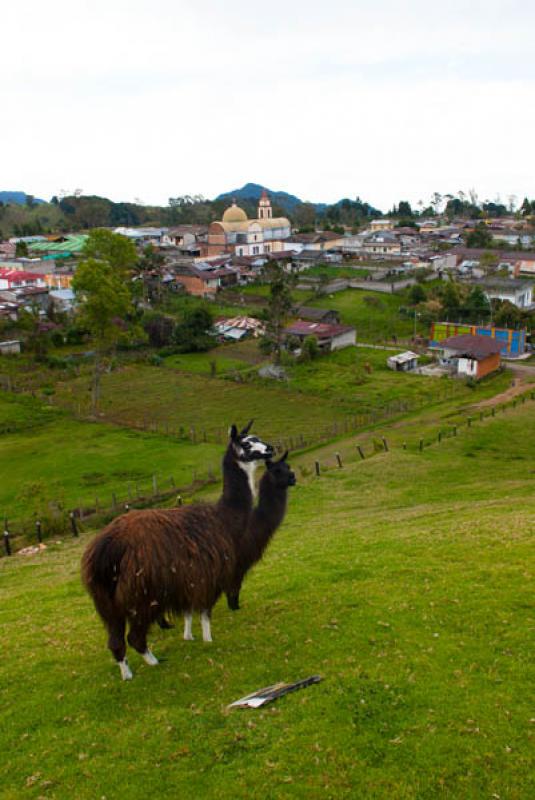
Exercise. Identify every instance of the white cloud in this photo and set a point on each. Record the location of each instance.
(155, 99)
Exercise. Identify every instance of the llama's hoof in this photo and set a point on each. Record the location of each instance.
(189, 637)
(164, 624)
(126, 672)
(207, 639)
(149, 658)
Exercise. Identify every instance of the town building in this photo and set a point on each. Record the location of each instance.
(471, 356)
(330, 337)
(237, 234)
(519, 293)
(513, 343)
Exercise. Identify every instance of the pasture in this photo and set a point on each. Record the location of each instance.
(406, 581)
(50, 456)
(332, 389)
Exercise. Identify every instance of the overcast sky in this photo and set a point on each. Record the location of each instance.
(384, 99)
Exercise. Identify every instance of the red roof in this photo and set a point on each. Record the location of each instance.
(12, 274)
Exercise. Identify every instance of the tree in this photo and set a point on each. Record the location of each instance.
(37, 330)
(417, 294)
(105, 310)
(159, 329)
(310, 349)
(477, 305)
(479, 237)
(450, 300)
(526, 208)
(193, 333)
(21, 250)
(116, 250)
(404, 209)
(280, 305)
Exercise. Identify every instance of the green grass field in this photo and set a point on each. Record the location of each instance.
(375, 316)
(333, 389)
(406, 581)
(80, 461)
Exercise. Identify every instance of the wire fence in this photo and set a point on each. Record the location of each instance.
(98, 514)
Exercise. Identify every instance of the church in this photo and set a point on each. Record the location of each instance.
(248, 237)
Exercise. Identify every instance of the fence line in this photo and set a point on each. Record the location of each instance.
(79, 514)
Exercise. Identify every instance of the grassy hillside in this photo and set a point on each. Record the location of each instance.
(333, 389)
(75, 462)
(406, 581)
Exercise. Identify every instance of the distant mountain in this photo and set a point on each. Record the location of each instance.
(252, 192)
(17, 197)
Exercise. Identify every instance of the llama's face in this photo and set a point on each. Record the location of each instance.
(249, 448)
(281, 473)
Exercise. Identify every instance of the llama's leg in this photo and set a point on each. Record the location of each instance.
(164, 623)
(117, 645)
(137, 638)
(188, 635)
(233, 594)
(206, 626)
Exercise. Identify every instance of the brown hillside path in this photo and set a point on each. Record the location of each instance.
(520, 382)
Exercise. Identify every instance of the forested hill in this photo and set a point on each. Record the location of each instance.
(252, 192)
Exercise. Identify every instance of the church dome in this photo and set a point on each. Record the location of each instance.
(234, 214)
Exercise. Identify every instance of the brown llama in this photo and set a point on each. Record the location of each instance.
(266, 518)
(179, 560)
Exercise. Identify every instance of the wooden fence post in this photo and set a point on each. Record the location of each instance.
(455, 430)
(385, 445)
(74, 526)
(361, 452)
(179, 500)
(421, 445)
(439, 436)
(7, 543)
(339, 460)
(469, 422)
(38, 530)
(404, 445)
(317, 463)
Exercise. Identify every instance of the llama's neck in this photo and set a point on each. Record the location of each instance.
(238, 484)
(267, 516)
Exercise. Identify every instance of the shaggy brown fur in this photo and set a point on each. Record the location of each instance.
(146, 563)
(266, 518)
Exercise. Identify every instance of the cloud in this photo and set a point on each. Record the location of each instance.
(381, 99)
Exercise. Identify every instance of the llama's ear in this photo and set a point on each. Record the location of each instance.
(233, 433)
(269, 463)
(284, 456)
(247, 428)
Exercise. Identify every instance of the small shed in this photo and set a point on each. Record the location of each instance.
(10, 347)
(403, 362)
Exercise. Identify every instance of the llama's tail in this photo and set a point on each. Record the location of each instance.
(101, 564)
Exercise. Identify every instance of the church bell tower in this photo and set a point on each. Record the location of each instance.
(264, 206)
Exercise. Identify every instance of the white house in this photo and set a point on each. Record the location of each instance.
(519, 293)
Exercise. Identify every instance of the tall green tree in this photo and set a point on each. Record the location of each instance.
(118, 251)
(105, 309)
(279, 308)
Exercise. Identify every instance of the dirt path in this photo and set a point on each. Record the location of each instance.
(518, 386)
